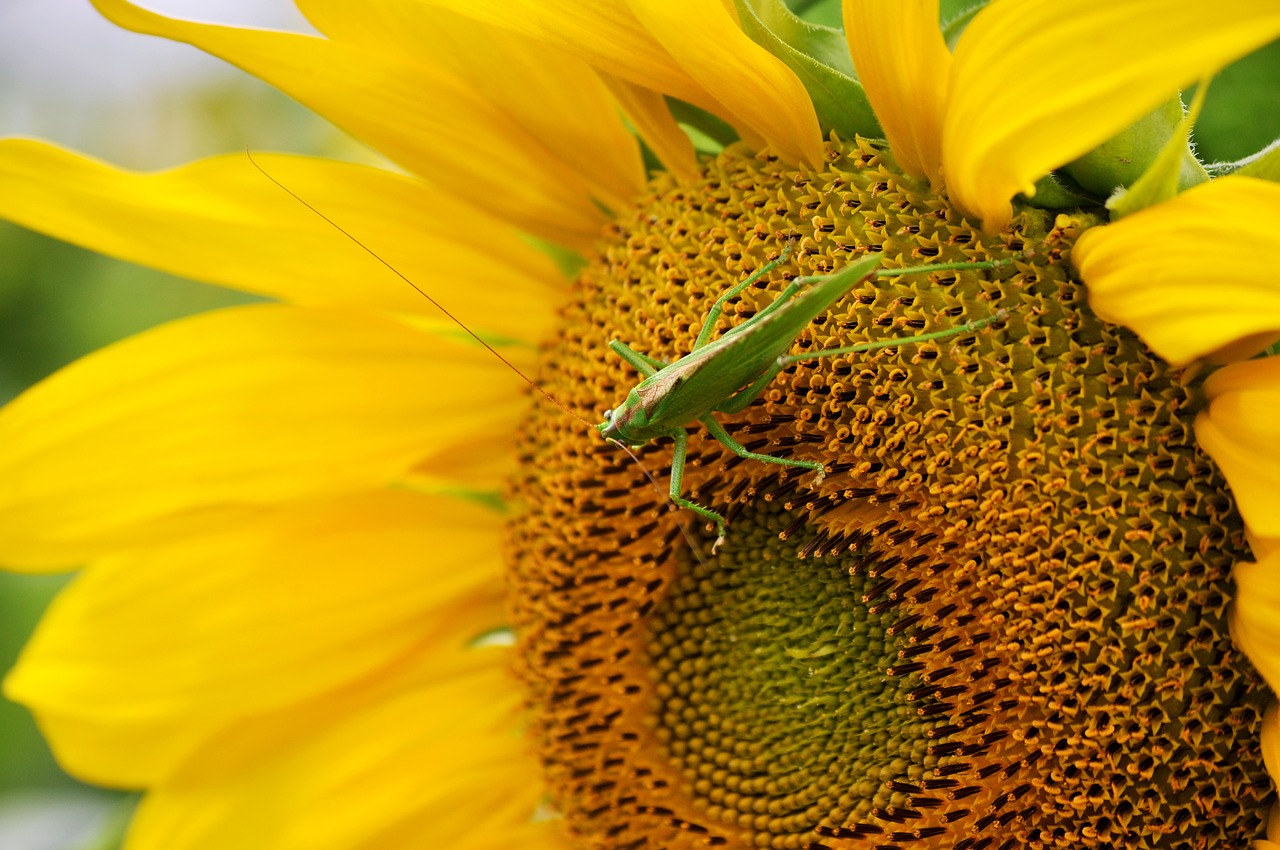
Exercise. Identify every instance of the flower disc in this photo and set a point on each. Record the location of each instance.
(1000, 619)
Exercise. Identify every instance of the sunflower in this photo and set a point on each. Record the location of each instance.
(348, 584)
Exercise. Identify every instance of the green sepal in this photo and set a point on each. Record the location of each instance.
(1175, 168)
(710, 130)
(652, 163)
(1122, 159)
(702, 143)
(496, 636)
(112, 832)
(1263, 165)
(825, 12)
(1058, 192)
(489, 499)
(568, 261)
(469, 337)
(819, 56)
(955, 26)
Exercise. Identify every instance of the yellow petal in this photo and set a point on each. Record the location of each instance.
(1240, 430)
(1193, 275)
(1033, 88)
(1271, 758)
(903, 63)
(648, 111)
(605, 33)
(221, 221)
(609, 35)
(1264, 546)
(759, 90)
(418, 114)
(145, 655)
(1273, 820)
(244, 407)
(487, 461)
(1255, 619)
(556, 99)
(429, 766)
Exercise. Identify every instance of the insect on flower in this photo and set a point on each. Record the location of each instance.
(727, 374)
(723, 375)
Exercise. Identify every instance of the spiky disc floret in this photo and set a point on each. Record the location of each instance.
(998, 622)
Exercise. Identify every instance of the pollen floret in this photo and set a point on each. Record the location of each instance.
(998, 621)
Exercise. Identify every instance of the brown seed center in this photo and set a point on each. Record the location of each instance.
(1001, 616)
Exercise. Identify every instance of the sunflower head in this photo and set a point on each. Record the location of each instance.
(994, 598)
(975, 588)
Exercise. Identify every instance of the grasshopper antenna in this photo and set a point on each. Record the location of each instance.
(548, 396)
(693, 546)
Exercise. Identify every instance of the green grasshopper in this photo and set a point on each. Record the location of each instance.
(723, 376)
(726, 375)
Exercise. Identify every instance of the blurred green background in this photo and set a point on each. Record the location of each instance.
(61, 72)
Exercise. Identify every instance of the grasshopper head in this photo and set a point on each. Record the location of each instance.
(610, 428)
(619, 425)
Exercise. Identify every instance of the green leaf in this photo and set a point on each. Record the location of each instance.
(1240, 114)
(819, 56)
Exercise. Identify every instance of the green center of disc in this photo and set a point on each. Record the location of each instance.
(784, 685)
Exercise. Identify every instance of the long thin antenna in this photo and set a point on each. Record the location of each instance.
(693, 546)
(372, 253)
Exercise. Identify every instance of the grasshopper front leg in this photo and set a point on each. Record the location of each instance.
(717, 430)
(642, 363)
(677, 484)
(647, 366)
